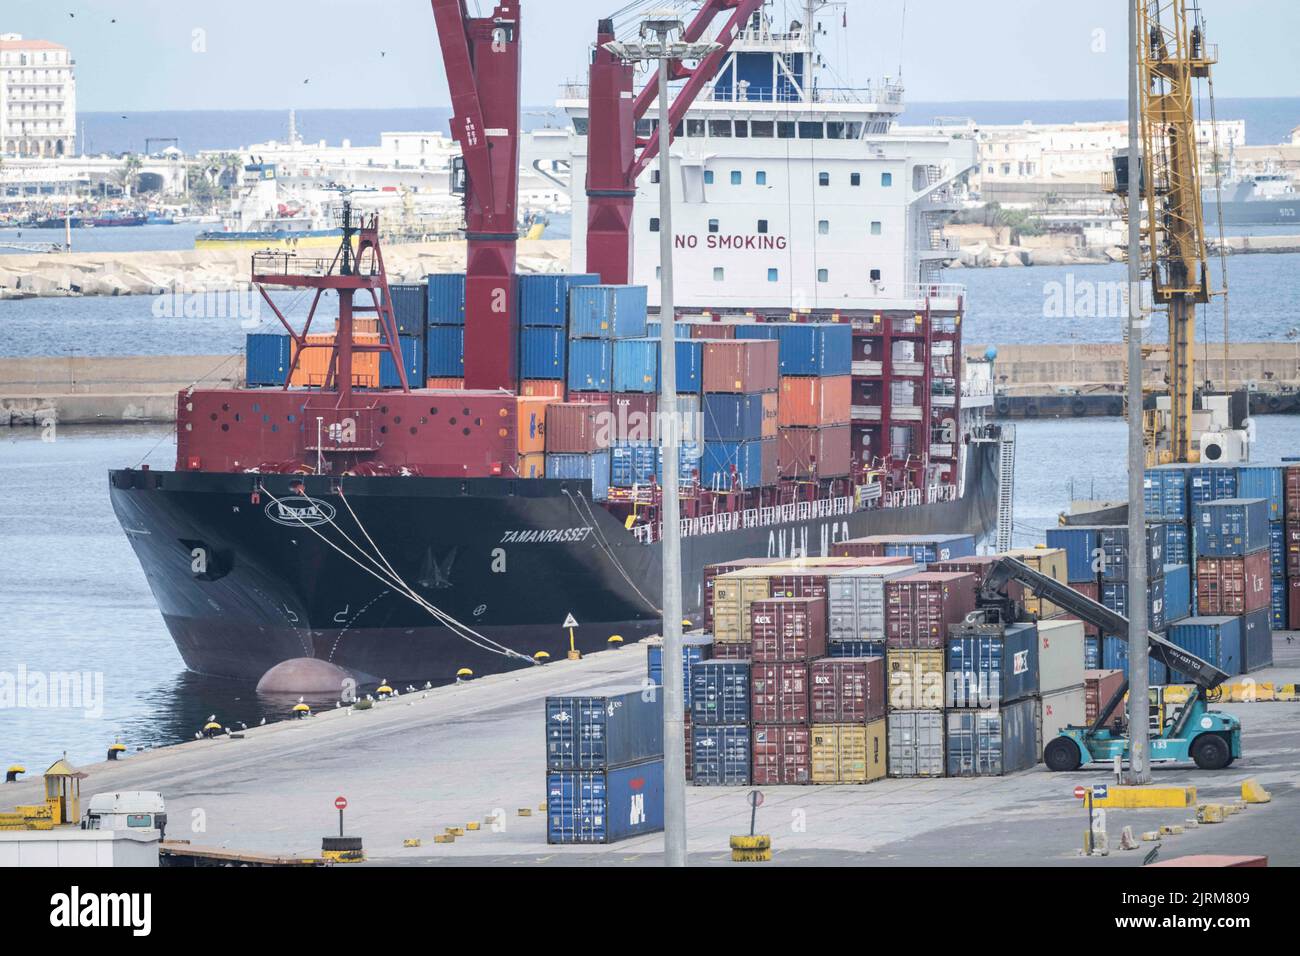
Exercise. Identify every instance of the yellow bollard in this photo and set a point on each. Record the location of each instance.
(1252, 792)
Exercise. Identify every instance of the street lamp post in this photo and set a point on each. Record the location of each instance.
(658, 46)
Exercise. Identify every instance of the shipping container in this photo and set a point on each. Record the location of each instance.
(733, 417)
(1265, 482)
(573, 428)
(696, 647)
(681, 330)
(979, 565)
(1293, 550)
(591, 364)
(1049, 561)
(720, 755)
(788, 629)
(849, 752)
(1080, 547)
(741, 366)
(636, 365)
(542, 353)
(603, 729)
(921, 548)
(530, 424)
(1092, 591)
(1114, 656)
(732, 652)
(779, 693)
(1277, 548)
(733, 593)
(919, 608)
(1210, 483)
(1092, 652)
(605, 806)
(1113, 547)
(815, 401)
(720, 691)
(848, 690)
(1060, 654)
(410, 307)
(1256, 640)
(916, 743)
(445, 351)
(446, 305)
(607, 311)
(315, 366)
(633, 465)
(412, 364)
(806, 348)
(1231, 527)
(714, 571)
(266, 359)
(1216, 639)
(916, 679)
(782, 754)
(1291, 493)
(855, 600)
(1164, 493)
(573, 467)
(1178, 592)
(814, 453)
(447, 383)
(1115, 597)
(690, 367)
(992, 741)
(1058, 710)
(1277, 604)
(989, 664)
(749, 464)
(1233, 585)
(840, 649)
(1099, 687)
(1178, 543)
(532, 465)
(544, 298)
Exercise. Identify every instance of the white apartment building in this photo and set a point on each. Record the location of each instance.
(38, 98)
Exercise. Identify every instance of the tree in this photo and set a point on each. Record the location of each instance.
(130, 171)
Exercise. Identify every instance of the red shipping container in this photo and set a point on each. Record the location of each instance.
(814, 452)
(731, 652)
(1292, 545)
(816, 400)
(1098, 688)
(1291, 493)
(713, 330)
(788, 629)
(979, 565)
(572, 427)
(634, 415)
(848, 690)
(1293, 604)
(798, 584)
(860, 548)
(1233, 586)
(1089, 589)
(782, 754)
(920, 607)
(591, 398)
(779, 694)
(741, 365)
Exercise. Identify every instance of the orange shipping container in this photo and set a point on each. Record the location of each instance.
(813, 401)
(313, 366)
(771, 414)
(541, 388)
(532, 424)
(531, 466)
(458, 384)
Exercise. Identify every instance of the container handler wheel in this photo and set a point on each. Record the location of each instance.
(1211, 752)
(1062, 754)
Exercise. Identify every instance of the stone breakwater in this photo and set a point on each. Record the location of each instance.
(223, 270)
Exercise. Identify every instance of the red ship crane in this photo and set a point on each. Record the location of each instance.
(481, 57)
(616, 156)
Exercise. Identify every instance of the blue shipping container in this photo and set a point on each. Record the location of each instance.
(603, 729)
(1115, 597)
(690, 367)
(929, 548)
(1231, 527)
(992, 741)
(590, 365)
(1262, 481)
(1164, 492)
(719, 692)
(410, 307)
(1178, 547)
(1091, 653)
(695, 648)
(720, 754)
(731, 417)
(1257, 640)
(593, 468)
(746, 457)
(542, 353)
(446, 299)
(1213, 639)
(806, 348)
(607, 311)
(1210, 483)
(1178, 592)
(681, 331)
(544, 298)
(266, 359)
(636, 365)
(412, 363)
(1112, 542)
(1079, 545)
(633, 463)
(605, 806)
(986, 667)
(855, 649)
(1114, 656)
(1277, 604)
(1277, 548)
(445, 356)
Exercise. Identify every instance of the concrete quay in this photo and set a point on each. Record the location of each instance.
(413, 766)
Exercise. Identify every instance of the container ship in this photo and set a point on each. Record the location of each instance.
(463, 473)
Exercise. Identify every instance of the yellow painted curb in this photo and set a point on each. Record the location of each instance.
(1210, 813)
(751, 856)
(472, 825)
(1136, 798)
(1252, 792)
(759, 842)
(1151, 836)
(455, 831)
(1288, 692)
(413, 841)
(444, 838)
(525, 811)
(1167, 829)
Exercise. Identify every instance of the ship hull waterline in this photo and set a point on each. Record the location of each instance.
(241, 591)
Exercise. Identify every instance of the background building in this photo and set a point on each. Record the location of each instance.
(38, 98)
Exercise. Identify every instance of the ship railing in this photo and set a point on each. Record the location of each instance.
(289, 264)
(903, 498)
(937, 493)
(724, 521)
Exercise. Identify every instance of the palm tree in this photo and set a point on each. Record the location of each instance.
(126, 176)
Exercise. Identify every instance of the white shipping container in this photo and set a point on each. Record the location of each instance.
(1060, 655)
(1059, 709)
(855, 601)
(916, 743)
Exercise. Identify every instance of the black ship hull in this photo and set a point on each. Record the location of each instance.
(243, 584)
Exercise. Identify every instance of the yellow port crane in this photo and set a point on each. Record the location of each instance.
(1172, 55)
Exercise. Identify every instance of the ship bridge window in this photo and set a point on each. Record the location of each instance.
(835, 130)
(875, 275)
(654, 175)
(720, 128)
(708, 177)
(812, 130)
(785, 129)
(762, 129)
(643, 127)
(760, 178)
(762, 227)
(855, 179)
(823, 275)
(854, 130)
(735, 177)
(713, 225)
(742, 129)
(719, 274)
(886, 179)
(580, 125)
(824, 227)
(875, 227)
(654, 224)
(694, 127)
(773, 275)
(823, 179)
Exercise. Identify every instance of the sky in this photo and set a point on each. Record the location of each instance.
(272, 54)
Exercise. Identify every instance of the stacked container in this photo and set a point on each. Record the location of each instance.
(573, 446)
(739, 405)
(992, 689)
(445, 334)
(266, 359)
(720, 727)
(788, 634)
(921, 548)
(605, 768)
(919, 608)
(600, 316)
(1061, 678)
(1291, 543)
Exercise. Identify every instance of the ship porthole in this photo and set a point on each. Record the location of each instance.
(464, 431)
(397, 419)
(383, 429)
(225, 428)
(413, 429)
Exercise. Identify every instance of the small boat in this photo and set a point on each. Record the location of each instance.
(117, 219)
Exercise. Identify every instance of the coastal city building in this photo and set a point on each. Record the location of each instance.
(38, 98)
